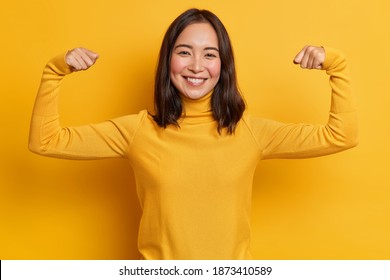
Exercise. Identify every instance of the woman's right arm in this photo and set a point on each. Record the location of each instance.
(104, 140)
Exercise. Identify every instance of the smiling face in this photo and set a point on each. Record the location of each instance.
(195, 64)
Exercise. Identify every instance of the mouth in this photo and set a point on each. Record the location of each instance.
(195, 81)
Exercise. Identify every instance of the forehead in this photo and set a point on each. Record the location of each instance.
(198, 34)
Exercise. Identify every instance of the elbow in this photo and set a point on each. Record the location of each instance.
(355, 141)
(344, 138)
(349, 141)
(352, 143)
(353, 137)
(35, 146)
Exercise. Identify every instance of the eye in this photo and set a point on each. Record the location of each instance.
(211, 55)
(183, 53)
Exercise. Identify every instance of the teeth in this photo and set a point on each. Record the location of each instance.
(195, 81)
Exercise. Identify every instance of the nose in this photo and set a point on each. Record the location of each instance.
(196, 65)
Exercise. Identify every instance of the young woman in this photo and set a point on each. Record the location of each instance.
(195, 156)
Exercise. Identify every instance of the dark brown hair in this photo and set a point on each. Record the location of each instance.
(227, 105)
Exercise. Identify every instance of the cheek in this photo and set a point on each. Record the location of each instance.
(215, 69)
(176, 66)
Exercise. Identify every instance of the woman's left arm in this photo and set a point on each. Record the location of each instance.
(280, 140)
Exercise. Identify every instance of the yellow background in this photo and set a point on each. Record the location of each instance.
(334, 207)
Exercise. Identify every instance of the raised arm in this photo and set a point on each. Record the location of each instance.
(281, 140)
(48, 138)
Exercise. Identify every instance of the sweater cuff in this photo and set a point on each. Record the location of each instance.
(332, 58)
(59, 65)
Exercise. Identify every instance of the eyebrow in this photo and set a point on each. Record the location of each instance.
(191, 47)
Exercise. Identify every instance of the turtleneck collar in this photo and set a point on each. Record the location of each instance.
(197, 110)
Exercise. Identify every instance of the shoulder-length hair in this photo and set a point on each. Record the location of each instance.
(227, 105)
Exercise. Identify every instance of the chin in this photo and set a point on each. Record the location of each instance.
(195, 96)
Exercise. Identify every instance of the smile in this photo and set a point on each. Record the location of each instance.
(195, 81)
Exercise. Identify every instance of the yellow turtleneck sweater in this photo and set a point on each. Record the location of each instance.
(194, 185)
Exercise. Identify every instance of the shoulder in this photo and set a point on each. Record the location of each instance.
(253, 122)
(129, 125)
(262, 128)
(131, 121)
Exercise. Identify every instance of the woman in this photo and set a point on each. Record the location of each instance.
(195, 157)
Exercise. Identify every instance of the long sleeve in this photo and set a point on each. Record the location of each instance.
(280, 140)
(103, 140)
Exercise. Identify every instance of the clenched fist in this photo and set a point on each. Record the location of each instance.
(80, 58)
(310, 57)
